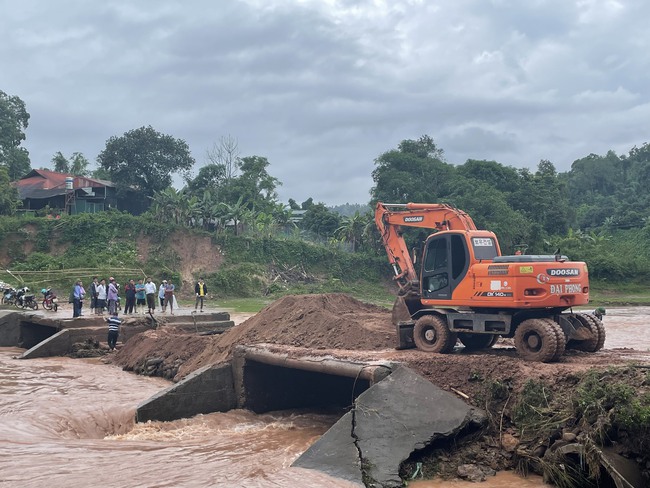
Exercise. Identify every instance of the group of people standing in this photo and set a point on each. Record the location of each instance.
(138, 296)
(102, 296)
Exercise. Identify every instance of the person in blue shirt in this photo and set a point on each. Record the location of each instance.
(78, 294)
(140, 297)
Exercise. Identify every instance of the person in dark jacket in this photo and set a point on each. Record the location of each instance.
(201, 290)
(129, 294)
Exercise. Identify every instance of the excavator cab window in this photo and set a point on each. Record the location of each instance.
(458, 256)
(436, 255)
(445, 265)
(484, 248)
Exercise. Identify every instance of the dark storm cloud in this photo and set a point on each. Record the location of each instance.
(321, 88)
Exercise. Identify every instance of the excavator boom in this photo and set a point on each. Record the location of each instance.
(390, 217)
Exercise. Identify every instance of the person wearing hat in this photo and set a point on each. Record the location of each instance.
(112, 296)
(161, 294)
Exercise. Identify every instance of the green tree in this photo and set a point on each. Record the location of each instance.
(235, 213)
(60, 163)
(101, 174)
(320, 220)
(255, 185)
(503, 178)
(415, 172)
(9, 201)
(352, 229)
(79, 165)
(14, 119)
(211, 177)
(489, 209)
(145, 159)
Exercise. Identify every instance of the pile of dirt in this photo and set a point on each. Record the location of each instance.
(172, 347)
(318, 322)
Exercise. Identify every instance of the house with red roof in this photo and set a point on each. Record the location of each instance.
(71, 194)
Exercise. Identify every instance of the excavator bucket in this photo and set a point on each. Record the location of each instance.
(401, 311)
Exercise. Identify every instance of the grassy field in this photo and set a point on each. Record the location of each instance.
(609, 294)
(602, 295)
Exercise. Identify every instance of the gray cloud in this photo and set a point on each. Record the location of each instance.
(322, 88)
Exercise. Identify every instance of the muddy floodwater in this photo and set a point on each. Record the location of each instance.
(69, 422)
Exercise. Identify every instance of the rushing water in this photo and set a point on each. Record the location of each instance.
(69, 422)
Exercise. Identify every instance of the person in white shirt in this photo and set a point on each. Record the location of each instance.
(150, 292)
(161, 294)
(100, 289)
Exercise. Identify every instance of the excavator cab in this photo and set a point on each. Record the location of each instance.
(447, 258)
(444, 264)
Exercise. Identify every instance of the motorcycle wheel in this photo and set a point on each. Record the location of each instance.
(34, 305)
(55, 307)
(45, 305)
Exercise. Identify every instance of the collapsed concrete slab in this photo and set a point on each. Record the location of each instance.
(399, 415)
(209, 389)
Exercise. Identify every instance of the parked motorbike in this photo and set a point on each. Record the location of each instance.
(50, 300)
(9, 296)
(24, 299)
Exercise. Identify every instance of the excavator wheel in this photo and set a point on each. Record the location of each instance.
(431, 334)
(536, 340)
(473, 342)
(560, 337)
(597, 329)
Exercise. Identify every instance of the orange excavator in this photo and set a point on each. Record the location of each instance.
(457, 286)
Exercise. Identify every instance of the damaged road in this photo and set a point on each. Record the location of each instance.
(396, 417)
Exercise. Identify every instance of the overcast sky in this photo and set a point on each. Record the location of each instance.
(323, 87)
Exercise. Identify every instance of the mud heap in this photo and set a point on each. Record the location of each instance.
(327, 321)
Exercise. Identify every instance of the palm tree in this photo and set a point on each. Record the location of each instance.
(352, 229)
(235, 212)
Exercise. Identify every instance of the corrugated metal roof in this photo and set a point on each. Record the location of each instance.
(44, 179)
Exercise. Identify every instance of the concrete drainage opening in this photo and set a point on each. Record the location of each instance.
(32, 334)
(266, 380)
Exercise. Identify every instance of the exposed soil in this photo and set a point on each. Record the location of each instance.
(329, 322)
(197, 255)
(14, 242)
(340, 326)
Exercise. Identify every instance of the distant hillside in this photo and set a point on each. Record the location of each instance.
(43, 252)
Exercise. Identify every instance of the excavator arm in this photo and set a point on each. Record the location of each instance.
(391, 217)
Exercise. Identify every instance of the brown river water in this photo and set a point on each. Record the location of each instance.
(69, 423)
